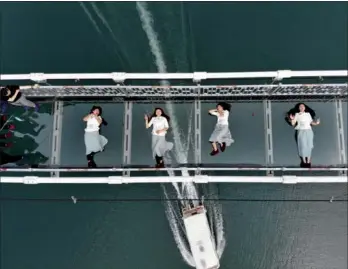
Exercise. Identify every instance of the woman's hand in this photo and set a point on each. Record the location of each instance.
(291, 117)
(146, 117)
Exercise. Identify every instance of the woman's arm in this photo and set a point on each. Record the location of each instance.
(99, 120)
(213, 112)
(315, 123)
(293, 119)
(87, 117)
(14, 96)
(29, 87)
(147, 123)
(18, 88)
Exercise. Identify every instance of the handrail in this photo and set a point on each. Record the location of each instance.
(169, 179)
(196, 76)
(150, 169)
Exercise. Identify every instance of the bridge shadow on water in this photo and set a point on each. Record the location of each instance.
(25, 136)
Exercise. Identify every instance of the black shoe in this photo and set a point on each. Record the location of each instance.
(90, 159)
(223, 147)
(158, 159)
(214, 152)
(92, 164)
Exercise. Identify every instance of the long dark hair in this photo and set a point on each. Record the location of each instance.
(97, 107)
(153, 115)
(225, 106)
(296, 109)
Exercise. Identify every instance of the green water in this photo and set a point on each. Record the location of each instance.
(59, 37)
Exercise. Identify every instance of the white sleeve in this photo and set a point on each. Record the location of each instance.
(166, 125)
(310, 118)
(151, 122)
(214, 113)
(226, 114)
(296, 117)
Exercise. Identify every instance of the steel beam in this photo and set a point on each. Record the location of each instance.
(267, 108)
(56, 135)
(220, 91)
(127, 135)
(341, 143)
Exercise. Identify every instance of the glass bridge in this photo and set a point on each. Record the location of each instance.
(264, 148)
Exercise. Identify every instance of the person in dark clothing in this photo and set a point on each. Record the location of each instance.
(6, 158)
(13, 95)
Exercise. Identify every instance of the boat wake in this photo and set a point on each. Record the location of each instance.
(185, 191)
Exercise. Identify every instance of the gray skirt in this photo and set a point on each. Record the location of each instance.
(305, 143)
(160, 146)
(221, 134)
(94, 142)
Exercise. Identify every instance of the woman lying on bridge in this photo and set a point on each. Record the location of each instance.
(94, 142)
(11, 94)
(301, 116)
(160, 146)
(221, 135)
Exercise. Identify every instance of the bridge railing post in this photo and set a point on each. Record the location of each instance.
(56, 135)
(198, 132)
(127, 135)
(267, 108)
(341, 143)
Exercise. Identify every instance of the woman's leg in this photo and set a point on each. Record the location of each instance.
(156, 148)
(215, 149)
(214, 146)
(90, 160)
(310, 139)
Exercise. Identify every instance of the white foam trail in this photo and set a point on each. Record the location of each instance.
(104, 21)
(89, 15)
(188, 189)
(113, 36)
(155, 46)
(216, 221)
(147, 24)
(174, 226)
(219, 229)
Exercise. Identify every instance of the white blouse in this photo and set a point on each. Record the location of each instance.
(303, 120)
(92, 125)
(159, 123)
(222, 119)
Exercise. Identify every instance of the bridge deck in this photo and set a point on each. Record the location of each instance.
(333, 89)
